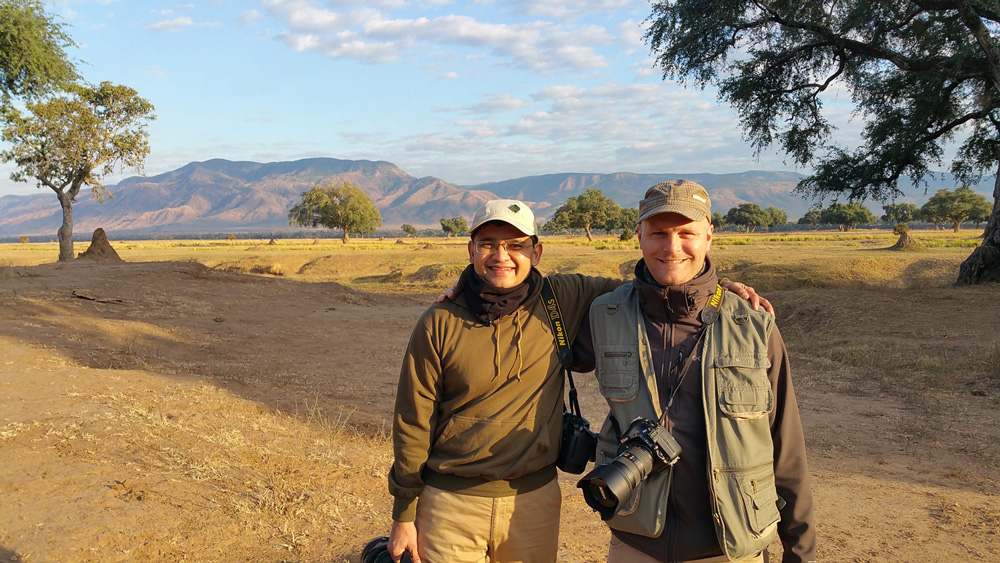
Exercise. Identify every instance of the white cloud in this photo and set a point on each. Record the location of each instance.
(249, 17)
(452, 75)
(179, 24)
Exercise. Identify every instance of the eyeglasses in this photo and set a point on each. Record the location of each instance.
(487, 247)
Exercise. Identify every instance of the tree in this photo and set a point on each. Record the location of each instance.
(454, 226)
(749, 216)
(778, 217)
(812, 217)
(624, 221)
(77, 139)
(718, 220)
(980, 211)
(33, 59)
(409, 230)
(343, 206)
(920, 72)
(953, 206)
(846, 215)
(585, 211)
(896, 213)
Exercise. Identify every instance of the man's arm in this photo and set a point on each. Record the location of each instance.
(414, 419)
(797, 528)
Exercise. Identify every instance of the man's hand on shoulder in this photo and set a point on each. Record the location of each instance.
(748, 293)
(403, 539)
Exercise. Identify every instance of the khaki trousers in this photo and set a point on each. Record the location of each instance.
(457, 528)
(621, 552)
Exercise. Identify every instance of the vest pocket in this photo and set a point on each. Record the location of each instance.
(760, 500)
(744, 390)
(618, 371)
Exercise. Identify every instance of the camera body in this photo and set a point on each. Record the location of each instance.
(578, 445)
(645, 447)
(377, 551)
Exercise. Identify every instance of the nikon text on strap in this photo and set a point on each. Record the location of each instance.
(562, 340)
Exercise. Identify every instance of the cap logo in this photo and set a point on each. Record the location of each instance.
(514, 207)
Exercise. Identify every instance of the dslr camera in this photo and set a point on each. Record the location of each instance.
(578, 446)
(645, 447)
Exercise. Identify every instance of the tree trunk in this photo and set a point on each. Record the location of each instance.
(65, 232)
(956, 226)
(587, 228)
(983, 265)
(346, 237)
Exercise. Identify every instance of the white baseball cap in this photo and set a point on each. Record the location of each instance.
(510, 211)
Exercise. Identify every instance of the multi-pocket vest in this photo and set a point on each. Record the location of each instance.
(737, 398)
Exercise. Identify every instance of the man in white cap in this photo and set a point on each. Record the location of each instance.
(478, 415)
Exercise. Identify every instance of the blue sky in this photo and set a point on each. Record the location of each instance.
(469, 92)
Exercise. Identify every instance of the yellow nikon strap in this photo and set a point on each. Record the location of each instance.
(562, 341)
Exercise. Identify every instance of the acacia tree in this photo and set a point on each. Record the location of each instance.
(921, 73)
(778, 217)
(77, 139)
(749, 216)
(585, 211)
(896, 213)
(953, 206)
(343, 206)
(847, 216)
(454, 226)
(812, 217)
(33, 59)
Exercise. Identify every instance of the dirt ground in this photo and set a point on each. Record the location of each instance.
(170, 412)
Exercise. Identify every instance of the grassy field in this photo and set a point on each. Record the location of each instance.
(239, 412)
(766, 260)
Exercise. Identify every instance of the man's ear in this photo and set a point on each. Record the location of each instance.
(536, 254)
(472, 251)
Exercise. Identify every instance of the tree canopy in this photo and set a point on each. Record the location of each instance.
(33, 59)
(76, 139)
(454, 226)
(846, 215)
(921, 74)
(896, 213)
(588, 210)
(778, 217)
(749, 216)
(953, 206)
(812, 217)
(342, 206)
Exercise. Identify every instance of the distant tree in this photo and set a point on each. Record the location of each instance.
(953, 206)
(33, 59)
(343, 206)
(980, 212)
(847, 216)
(921, 73)
(896, 213)
(749, 216)
(778, 217)
(23, 239)
(76, 139)
(623, 222)
(585, 211)
(231, 237)
(719, 220)
(812, 217)
(409, 230)
(454, 226)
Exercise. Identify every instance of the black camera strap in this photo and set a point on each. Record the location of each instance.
(713, 308)
(562, 341)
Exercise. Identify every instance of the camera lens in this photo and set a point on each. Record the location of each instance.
(608, 487)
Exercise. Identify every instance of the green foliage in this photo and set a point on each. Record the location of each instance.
(955, 206)
(901, 228)
(778, 217)
(749, 216)
(812, 217)
(343, 206)
(718, 220)
(899, 213)
(585, 211)
(454, 226)
(76, 139)
(409, 230)
(32, 56)
(846, 215)
(624, 221)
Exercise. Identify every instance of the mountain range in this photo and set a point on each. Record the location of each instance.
(222, 196)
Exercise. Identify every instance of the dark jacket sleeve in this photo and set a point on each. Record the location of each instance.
(797, 528)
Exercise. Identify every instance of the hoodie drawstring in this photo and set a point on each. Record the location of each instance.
(518, 332)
